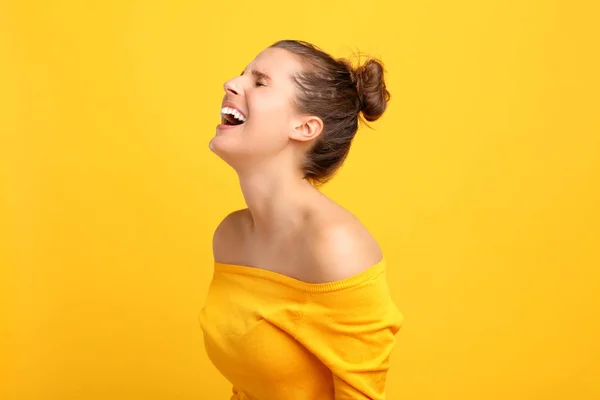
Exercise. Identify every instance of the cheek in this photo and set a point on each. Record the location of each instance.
(269, 113)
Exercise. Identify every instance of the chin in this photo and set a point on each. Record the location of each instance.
(224, 148)
(239, 147)
(217, 146)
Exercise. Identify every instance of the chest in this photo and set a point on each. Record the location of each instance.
(249, 335)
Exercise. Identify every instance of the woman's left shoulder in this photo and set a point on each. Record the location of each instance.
(342, 246)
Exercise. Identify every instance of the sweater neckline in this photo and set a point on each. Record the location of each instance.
(277, 277)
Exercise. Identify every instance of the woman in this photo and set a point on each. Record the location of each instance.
(298, 308)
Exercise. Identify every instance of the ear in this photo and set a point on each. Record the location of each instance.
(307, 128)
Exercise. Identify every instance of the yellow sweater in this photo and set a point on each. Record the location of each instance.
(277, 338)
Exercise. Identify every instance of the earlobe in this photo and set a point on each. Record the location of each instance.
(307, 129)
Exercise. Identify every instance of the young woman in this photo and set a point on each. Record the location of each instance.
(298, 308)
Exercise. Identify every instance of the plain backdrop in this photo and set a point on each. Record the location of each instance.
(481, 183)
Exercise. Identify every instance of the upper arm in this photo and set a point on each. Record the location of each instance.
(228, 236)
(352, 331)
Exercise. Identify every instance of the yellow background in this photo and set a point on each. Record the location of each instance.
(481, 182)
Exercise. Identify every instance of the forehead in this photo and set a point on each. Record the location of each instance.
(279, 64)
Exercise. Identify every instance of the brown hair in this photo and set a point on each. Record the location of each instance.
(333, 90)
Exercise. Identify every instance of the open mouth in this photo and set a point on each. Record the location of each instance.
(231, 116)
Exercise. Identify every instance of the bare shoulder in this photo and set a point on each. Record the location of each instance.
(229, 235)
(343, 247)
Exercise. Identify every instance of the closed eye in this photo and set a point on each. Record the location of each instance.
(261, 78)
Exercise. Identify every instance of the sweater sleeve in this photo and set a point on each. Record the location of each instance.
(352, 332)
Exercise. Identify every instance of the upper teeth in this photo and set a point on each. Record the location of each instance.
(234, 112)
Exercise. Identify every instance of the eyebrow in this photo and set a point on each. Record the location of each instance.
(259, 74)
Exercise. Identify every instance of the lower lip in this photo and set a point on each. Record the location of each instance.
(223, 127)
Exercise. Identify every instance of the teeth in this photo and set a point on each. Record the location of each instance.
(234, 112)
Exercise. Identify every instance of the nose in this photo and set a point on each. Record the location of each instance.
(231, 87)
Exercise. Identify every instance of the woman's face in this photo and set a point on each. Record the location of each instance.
(258, 117)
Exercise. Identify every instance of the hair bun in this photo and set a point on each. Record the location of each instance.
(371, 88)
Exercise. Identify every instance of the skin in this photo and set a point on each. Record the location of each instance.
(289, 227)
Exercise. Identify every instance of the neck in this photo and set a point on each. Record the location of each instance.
(278, 201)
